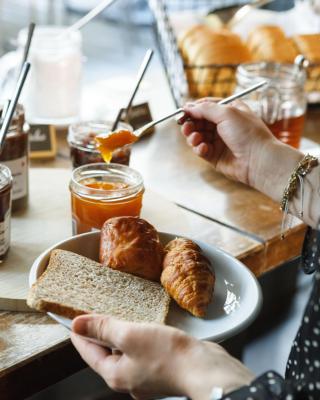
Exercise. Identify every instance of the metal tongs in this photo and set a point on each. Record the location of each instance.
(141, 131)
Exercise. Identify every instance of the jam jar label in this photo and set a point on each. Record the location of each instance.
(5, 233)
(19, 171)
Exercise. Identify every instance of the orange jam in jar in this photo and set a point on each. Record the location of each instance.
(102, 191)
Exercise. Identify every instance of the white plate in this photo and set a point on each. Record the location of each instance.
(236, 301)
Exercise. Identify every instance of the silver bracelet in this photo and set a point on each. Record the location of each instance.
(216, 393)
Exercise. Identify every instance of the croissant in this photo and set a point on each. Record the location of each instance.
(187, 276)
(211, 56)
(269, 43)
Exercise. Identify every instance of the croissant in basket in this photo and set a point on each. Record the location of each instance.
(187, 276)
(210, 58)
(269, 43)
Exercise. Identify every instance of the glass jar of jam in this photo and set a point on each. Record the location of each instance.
(102, 191)
(5, 209)
(83, 148)
(282, 103)
(15, 155)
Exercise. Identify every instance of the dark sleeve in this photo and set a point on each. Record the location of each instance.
(303, 368)
(269, 386)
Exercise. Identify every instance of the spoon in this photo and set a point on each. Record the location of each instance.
(88, 17)
(107, 143)
(13, 103)
(244, 11)
(141, 131)
(31, 28)
(141, 73)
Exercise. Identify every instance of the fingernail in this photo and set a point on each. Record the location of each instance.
(182, 120)
(80, 325)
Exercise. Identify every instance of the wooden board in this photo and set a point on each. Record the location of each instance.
(22, 333)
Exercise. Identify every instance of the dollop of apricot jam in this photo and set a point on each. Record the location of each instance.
(107, 143)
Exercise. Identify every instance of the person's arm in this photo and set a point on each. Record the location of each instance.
(155, 360)
(238, 144)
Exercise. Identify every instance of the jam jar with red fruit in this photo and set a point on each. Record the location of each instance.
(15, 155)
(83, 146)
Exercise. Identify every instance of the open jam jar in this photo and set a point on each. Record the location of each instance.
(5, 209)
(102, 191)
(83, 147)
(15, 155)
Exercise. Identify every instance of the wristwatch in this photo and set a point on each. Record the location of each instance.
(216, 393)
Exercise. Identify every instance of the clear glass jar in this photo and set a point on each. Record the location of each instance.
(83, 149)
(282, 103)
(53, 89)
(102, 191)
(15, 155)
(5, 210)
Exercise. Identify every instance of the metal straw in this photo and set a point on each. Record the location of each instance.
(13, 103)
(143, 68)
(32, 25)
(117, 120)
(142, 130)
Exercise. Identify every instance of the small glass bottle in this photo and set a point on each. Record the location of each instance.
(15, 155)
(102, 191)
(282, 103)
(5, 210)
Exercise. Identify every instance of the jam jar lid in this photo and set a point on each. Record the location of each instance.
(82, 134)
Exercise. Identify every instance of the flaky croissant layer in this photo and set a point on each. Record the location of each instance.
(187, 276)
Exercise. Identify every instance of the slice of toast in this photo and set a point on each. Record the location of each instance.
(73, 285)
